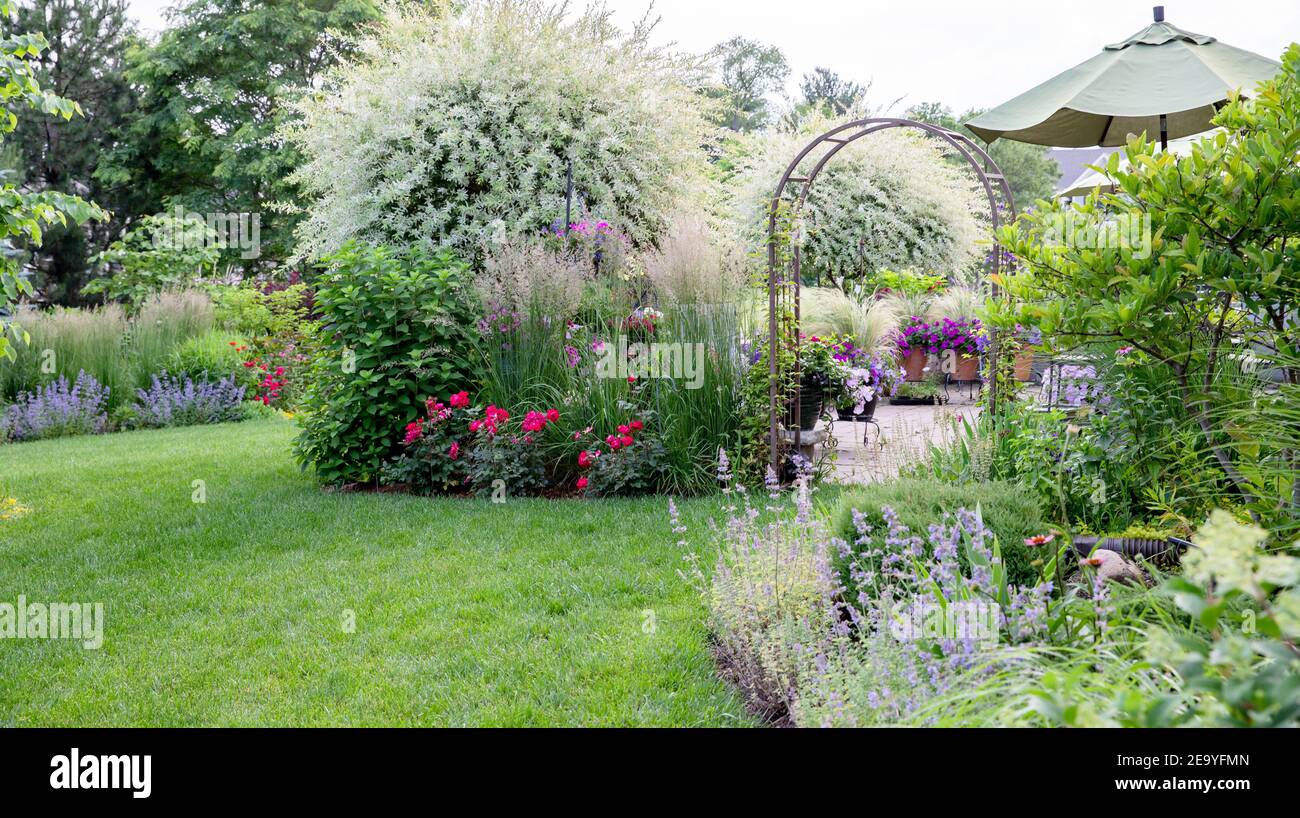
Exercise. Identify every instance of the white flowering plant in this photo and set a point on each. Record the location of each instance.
(889, 201)
(1235, 663)
(456, 126)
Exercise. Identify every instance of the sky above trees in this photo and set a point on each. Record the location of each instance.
(969, 55)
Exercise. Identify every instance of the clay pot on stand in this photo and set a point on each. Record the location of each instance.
(968, 368)
(914, 364)
(1024, 366)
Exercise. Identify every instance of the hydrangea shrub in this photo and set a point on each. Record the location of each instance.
(395, 328)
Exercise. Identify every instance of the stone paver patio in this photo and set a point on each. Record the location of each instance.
(904, 436)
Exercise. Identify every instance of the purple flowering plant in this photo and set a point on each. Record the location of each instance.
(1079, 384)
(499, 320)
(589, 237)
(816, 631)
(180, 401)
(961, 335)
(868, 375)
(58, 409)
(1031, 335)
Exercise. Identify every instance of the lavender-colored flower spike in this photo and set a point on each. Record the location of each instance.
(58, 409)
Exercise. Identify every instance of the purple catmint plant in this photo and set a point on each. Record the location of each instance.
(818, 631)
(58, 409)
(181, 402)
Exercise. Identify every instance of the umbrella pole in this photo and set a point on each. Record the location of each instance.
(1159, 14)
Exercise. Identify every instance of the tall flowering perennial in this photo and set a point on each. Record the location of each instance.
(172, 401)
(958, 563)
(922, 614)
(593, 239)
(766, 595)
(58, 409)
(929, 625)
(499, 320)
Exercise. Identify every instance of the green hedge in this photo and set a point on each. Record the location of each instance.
(1012, 513)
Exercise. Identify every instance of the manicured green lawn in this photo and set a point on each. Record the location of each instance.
(231, 612)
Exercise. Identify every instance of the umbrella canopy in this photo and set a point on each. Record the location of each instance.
(1162, 72)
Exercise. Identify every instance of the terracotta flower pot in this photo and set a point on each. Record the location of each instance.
(968, 368)
(1024, 365)
(914, 365)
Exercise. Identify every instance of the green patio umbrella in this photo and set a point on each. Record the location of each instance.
(1162, 80)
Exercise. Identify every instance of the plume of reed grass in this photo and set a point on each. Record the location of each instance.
(163, 322)
(956, 303)
(693, 266)
(66, 342)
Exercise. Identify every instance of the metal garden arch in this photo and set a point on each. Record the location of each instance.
(783, 291)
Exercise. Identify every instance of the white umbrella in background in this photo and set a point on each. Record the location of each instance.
(1163, 80)
(1091, 178)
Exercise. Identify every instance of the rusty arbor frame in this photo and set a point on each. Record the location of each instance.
(783, 291)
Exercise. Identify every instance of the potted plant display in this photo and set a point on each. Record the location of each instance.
(963, 337)
(927, 392)
(820, 376)
(868, 377)
(966, 338)
(913, 347)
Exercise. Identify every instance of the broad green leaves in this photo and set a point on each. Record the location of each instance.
(1213, 270)
(22, 214)
(393, 334)
(158, 252)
